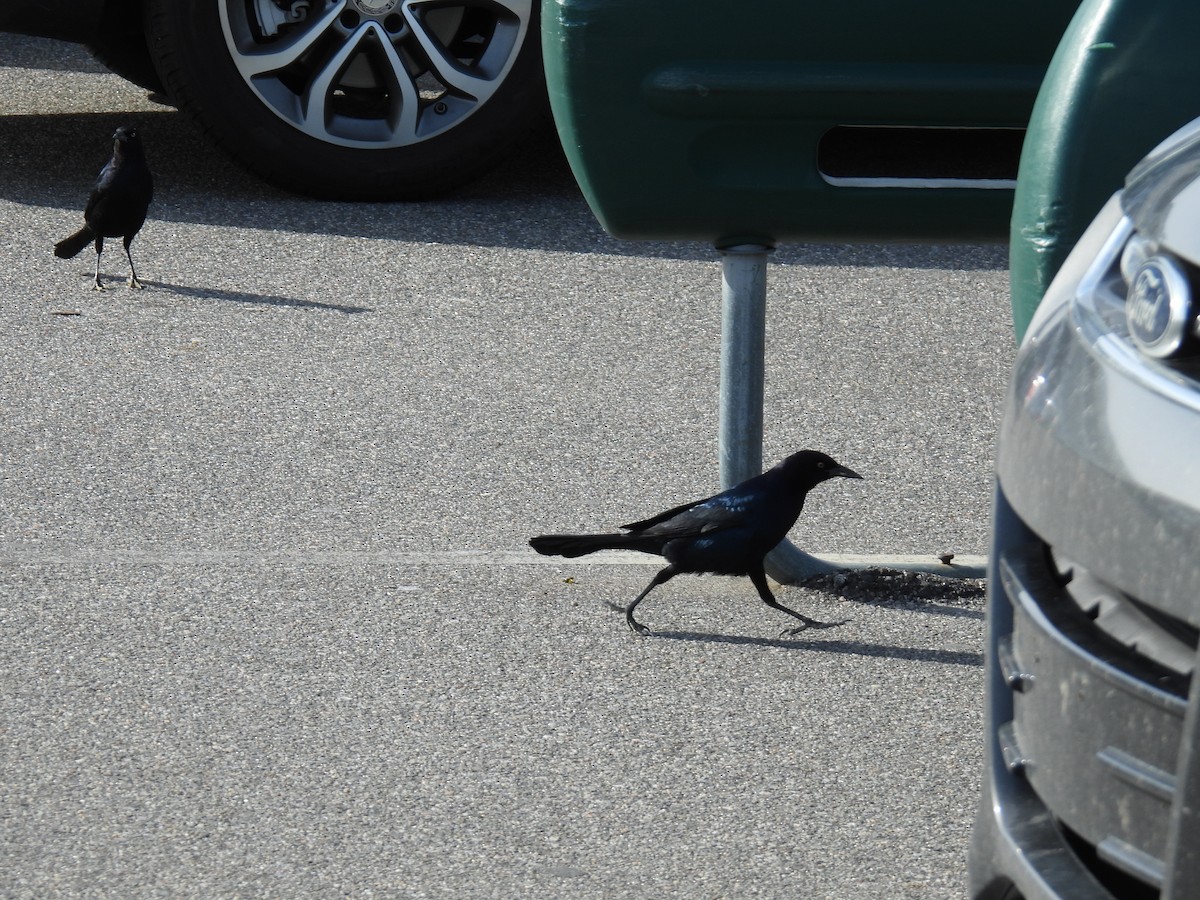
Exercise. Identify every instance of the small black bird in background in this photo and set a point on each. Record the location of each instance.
(728, 534)
(118, 204)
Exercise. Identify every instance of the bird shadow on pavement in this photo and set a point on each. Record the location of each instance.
(853, 648)
(201, 293)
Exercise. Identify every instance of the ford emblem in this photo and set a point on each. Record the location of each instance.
(1159, 306)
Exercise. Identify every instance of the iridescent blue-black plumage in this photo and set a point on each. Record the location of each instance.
(118, 203)
(729, 533)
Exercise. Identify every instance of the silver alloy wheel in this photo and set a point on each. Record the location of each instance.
(374, 74)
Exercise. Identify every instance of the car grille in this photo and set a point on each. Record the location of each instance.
(1148, 633)
(1088, 661)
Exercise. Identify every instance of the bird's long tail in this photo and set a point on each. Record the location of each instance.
(572, 545)
(69, 247)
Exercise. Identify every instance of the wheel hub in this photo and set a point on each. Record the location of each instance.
(375, 8)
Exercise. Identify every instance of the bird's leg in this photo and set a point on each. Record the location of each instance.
(96, 285)
(759, 577)
(133, 279)
(665, 574)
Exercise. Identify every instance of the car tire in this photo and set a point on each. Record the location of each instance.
(358, 99)
(120, 45)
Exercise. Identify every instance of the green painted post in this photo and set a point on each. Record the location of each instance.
(694, 119)
(1126, 75)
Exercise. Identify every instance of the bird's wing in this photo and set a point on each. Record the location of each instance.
(100, 191)
(663, 516)
(699, 517)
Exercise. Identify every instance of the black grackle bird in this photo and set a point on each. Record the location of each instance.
(118, 204)
(728, 534)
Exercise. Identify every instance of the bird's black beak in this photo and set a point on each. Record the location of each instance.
(843, 472)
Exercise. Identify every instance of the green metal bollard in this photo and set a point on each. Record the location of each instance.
(764, 122)
(1126, 75)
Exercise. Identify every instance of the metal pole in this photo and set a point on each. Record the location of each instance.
(743, 364)
(743, 349)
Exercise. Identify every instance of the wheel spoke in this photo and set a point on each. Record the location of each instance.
(257, 63)
(482, 80)
(401, 88)
(444, 66)
(317, 97)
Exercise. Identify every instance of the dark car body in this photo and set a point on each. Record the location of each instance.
(46, 19)
(355, 100)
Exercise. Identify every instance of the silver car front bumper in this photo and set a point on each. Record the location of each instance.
(1092, 788)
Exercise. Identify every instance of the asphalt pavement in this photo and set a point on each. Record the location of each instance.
(270, 624)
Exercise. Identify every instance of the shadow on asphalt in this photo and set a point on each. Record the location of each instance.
(530, 201)
(115, 284)
(201, 293)
(853, 648)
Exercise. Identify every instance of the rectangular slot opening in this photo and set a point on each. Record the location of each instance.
(918, 157)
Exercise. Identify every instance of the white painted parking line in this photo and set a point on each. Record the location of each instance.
(963, 566)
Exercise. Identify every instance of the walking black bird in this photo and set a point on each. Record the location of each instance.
(727, 534)
(118, 204)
